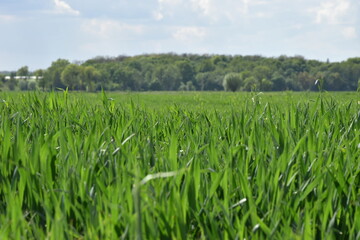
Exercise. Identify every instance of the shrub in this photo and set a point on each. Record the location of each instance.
(23, 85)
(232, 82)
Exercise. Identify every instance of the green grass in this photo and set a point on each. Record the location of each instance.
(179, 166)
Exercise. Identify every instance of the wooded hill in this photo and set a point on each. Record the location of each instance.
(172, 72)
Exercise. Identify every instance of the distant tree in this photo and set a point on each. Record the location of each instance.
(103, 81)
(187, 71)
(297, 64)
(23, 71)
(2, 80)
(245, 74)
(89, 77)
(43, 82)
(23, 85)
(210, 81)
(334, 82)
(12, 83)
(306, 80)
(251, 84)
(265, 85)
(172, 77)
(155, 85)
(355, 60)
(279, 83)
(232, 82)
(220, 61)
(70, 76)
(40, 81)
(127, 79)
(355, 74)
(206, 66)
(166, 77)
(32, 85)
(187, 86)
(38, 73)
(292, 84)
(136, 65)
(262, 72)
(52, 75)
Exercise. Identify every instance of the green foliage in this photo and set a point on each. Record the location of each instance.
(209, 81)
(232, 82)
(187, 72)
(166, 77)
(320, 84)
(2, 80)
(127, 79)
(279, 83)
(23, 85)
(179, 166)
(70, 77)
(38, 73)
(52, 76)
(171, 72)
(251, 84)
(206, 66)
(12, 83)
(32, 85)
(266, 85)
(89, 76)
(23, 71)
(262, 72)
(187, 86)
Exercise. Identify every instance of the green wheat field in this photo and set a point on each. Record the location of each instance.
(179, 165)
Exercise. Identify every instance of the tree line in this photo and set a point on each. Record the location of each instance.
(190, 72)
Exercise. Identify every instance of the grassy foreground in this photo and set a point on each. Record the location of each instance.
(179, 166)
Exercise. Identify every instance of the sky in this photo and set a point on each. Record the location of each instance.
(35, 33)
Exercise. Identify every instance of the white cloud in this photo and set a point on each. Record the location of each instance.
(214, 11)
(331, 11)
(349, 32)
(104, 28)
(7, 18)
(158, 15)
(64, 8)
(205, 6)
(173, 2)
(166, 7)
(229, 10)
(246, 4)
(189, 34)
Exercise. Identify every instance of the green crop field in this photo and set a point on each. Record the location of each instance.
(179, 165)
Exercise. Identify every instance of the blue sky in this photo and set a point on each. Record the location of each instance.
(37, 32)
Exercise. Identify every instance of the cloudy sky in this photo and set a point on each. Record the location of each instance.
(37, 32)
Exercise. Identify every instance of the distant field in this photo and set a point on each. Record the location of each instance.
(170, 165)
(198, 100)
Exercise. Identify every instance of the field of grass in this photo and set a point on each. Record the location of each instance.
(180, 165)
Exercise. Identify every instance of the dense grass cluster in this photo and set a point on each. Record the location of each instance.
(76, 166)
